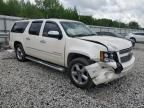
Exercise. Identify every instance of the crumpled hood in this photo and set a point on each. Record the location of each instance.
(113, 43)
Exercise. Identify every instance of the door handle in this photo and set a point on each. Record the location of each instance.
(27, 38)
(42, 41)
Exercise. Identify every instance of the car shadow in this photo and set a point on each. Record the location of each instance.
(107, 89)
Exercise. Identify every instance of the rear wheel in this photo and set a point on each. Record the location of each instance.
(78, 74)
(20, 54)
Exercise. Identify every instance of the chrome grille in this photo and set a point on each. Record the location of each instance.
(126, 58)
(126, 55)
(125, 50)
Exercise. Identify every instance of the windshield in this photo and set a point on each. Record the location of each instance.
(77, 29)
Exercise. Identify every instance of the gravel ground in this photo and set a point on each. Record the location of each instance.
(139, 46)
(31, 85)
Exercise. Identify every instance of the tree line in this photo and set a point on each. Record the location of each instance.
(54, 9)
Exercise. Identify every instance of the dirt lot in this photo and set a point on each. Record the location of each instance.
(30, 85)
(139, 46)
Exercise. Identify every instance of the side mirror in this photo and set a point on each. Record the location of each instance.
(54, 34)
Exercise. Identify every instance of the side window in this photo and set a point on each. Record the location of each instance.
(136, 33)
(19, 27)
(139, 33)
(50, 26)
(142, 34)
(35, 27)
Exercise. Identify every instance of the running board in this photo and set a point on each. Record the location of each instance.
(59, 68)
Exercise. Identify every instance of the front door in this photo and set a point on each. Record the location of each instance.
(52, 48)
(139, 37)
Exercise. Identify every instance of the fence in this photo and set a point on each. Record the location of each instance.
(4, 38)
(6, 23)
(122, 31)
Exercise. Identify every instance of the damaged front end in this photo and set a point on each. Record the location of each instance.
(108, 68)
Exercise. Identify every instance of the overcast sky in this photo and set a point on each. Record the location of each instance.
(123, 10)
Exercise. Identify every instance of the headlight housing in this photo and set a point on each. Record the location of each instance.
(107, 56)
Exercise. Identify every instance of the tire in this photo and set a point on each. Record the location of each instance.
(133, 39)
(20, 53)
(78, 75)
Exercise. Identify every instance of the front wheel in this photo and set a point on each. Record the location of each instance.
(78, 74)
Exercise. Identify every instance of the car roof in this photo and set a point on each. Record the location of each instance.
(51, 19)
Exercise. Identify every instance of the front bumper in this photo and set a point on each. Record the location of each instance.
(105, 72)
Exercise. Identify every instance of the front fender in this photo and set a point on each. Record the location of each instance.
(75, 52)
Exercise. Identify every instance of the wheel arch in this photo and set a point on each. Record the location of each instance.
(133, 38)
(72, 56)
(16, 43)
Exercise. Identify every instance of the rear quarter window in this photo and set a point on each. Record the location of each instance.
(139, 34)
(19, 27)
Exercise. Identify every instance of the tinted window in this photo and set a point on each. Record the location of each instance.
(35, 28)
(50, 26)
(19, 27)
(139, 33)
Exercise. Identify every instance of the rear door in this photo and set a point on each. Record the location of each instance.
(32, 39)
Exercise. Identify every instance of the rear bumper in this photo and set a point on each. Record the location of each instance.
(105, 72)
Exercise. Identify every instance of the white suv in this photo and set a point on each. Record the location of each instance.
(66, 44)
(136, 37)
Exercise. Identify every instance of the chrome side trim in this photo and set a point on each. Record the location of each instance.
(46, 64)
(54, 53)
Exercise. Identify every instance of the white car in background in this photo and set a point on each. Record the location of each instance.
(112, 34)
(137, 36)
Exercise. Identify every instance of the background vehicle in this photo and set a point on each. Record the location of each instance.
(136, 37)
(115, 35)
(60, 44)
(109, 34)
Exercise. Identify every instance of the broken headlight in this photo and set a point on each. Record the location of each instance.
(106, 56)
